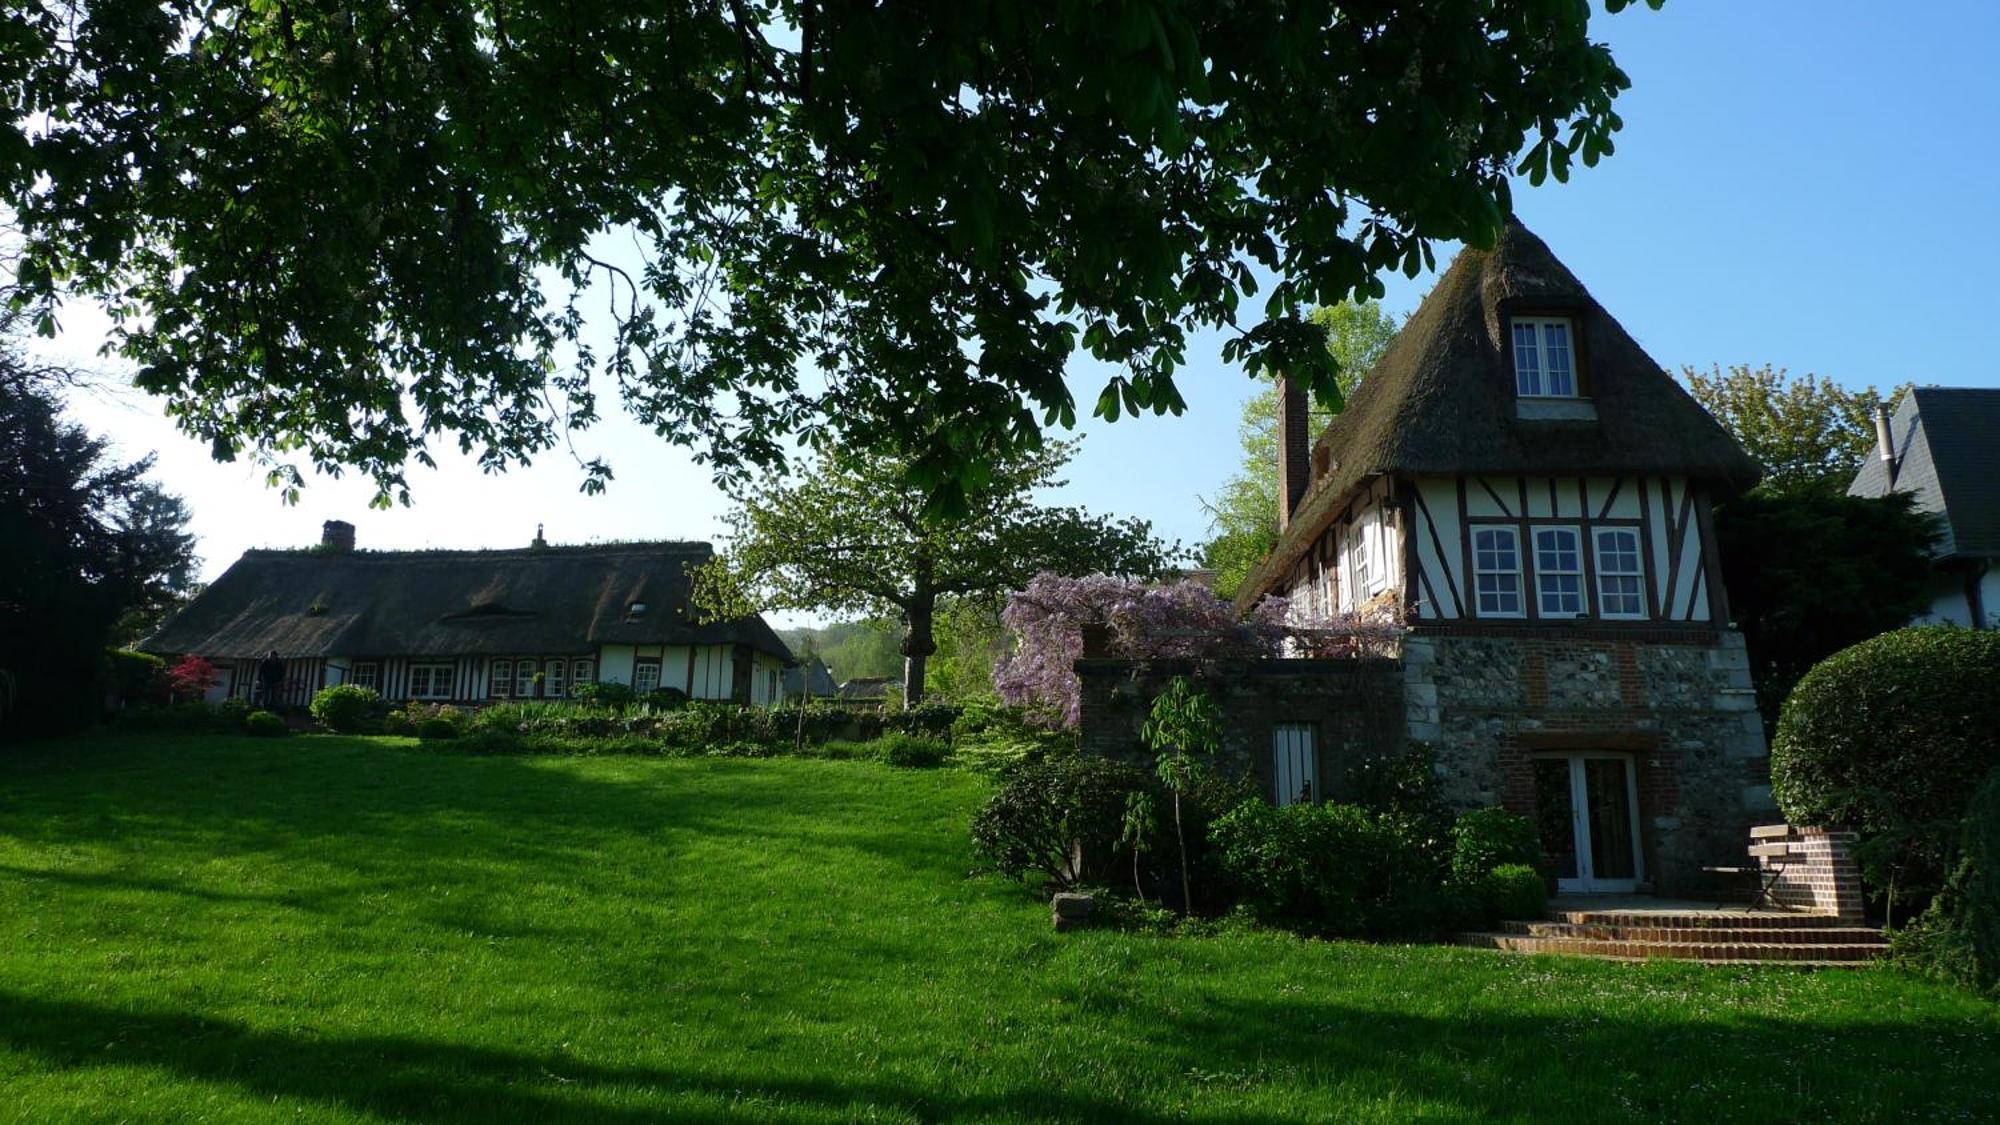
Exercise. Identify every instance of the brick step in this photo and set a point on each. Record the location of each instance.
(1677, 935)
(1669, 920)
(1715, 952)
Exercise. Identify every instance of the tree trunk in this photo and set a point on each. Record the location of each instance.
(919, 642)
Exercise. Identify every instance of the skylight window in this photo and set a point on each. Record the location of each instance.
(1544, 360)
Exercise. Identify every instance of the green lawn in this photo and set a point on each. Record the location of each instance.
(327, 929)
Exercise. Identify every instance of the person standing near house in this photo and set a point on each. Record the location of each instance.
(270, 679)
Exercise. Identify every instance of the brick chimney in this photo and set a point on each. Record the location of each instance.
(1294, 450)
(336, 535)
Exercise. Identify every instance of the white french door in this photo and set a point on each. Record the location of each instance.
(1587, 810)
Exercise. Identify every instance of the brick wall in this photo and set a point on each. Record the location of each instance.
(1354, 706)
(1816, 869)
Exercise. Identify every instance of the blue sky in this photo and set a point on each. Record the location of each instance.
(1809, 184)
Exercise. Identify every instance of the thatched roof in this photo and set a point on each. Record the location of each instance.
(1441, 400)
(1946, 453)
(542, 600)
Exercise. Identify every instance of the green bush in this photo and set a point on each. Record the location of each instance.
(1513, 891)
(1889, 738)
(1302, 865)
(136, 678)
(437, 727)
(1485, 840)
(1059, 818)
(398, 721)
(664, 699)
(608, 695)
(229, 715)
(911, 751)
(263, 724)
(1957, 938)
(487, 742)
(345, 708)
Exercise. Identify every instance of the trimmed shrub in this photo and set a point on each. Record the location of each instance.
(398, 721)
(437, 727)
(1305, 865)
(1059, 818)
(230, 714)
(263, 724)
(345, 708)
(1958, 938)
(912, 752)
(608, 695)
(487, 742)
(1513, 891)
(1889, 738)
(1485, 840)
(135, 677)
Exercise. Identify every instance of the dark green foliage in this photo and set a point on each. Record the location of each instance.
(1810, 572)
(1337, 870)
(136, 678)
(1958, 937)
(345, 708)
(1059, 818)
(913, 751)
(1889, 738)
(437, 728)
(609, 695)
(1513, 891)
(263, 724)
(1485, 840)
(664, 699)
(487, 742)
(1404, 788)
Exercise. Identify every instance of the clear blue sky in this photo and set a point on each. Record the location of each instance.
(1809, 184)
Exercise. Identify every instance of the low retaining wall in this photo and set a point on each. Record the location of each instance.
(1815, 869)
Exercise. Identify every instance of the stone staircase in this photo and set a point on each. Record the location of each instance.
(1728, 936)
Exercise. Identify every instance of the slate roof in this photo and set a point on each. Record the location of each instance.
(544, 600)
(1441, 399)
(1947, 453)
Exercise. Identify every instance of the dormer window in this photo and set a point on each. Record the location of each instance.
(1544, 358)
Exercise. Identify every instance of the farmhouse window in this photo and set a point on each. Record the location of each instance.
(1558, 572)
(553, 680)
(646, 676)
(1618, 574)
(366, 673)
(1496, 568)
(585, 672)
(430, 681)
(502, 684)
(524, 678)
(1544, 361)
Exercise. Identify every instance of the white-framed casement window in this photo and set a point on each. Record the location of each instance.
(500, 684)
(366, 673)
(430, 681)
(582, 672)
(645, 675)
(1544, 361)
(1496, 571)
(555, 679)
(524, 678)
(1558, 572)
(1619, 594)
(1361, 561)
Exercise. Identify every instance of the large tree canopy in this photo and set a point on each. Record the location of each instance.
(333, 229)
(1805, 432)
(849, 535)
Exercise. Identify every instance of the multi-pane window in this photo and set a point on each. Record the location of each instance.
(1496, 571)
(645, 676)
(524, 678)
(501, 684)
(1618, 573)
(430, 681)
(554, 679)
(1362, 562)
(1558, 572)
(584, 672)
(366, 673)
(1544, 362)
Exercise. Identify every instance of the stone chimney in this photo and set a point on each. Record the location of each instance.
(539, 542)
(1294, 450)
(336, 535)
(1885, 441)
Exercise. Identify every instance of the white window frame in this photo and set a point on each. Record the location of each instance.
(431, 671)
(1637, 574)
(582, 672)
(1361, 561)
(524, 677)
(645, 663)
(555, 678)
(1544, 571)
(500, 680)
(1534, 379)
(372, 680)
(1479, 571)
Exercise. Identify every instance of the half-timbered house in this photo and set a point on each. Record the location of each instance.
(474, 627)
(1532, 492)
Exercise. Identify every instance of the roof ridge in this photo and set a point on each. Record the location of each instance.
(684, 546)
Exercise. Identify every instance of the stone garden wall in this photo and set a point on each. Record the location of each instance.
(1354, 706)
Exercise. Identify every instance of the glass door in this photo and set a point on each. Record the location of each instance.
(1586, 809)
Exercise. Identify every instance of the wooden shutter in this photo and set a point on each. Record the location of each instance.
(1294, 764)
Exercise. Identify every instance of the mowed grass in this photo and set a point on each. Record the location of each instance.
(328, 929)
